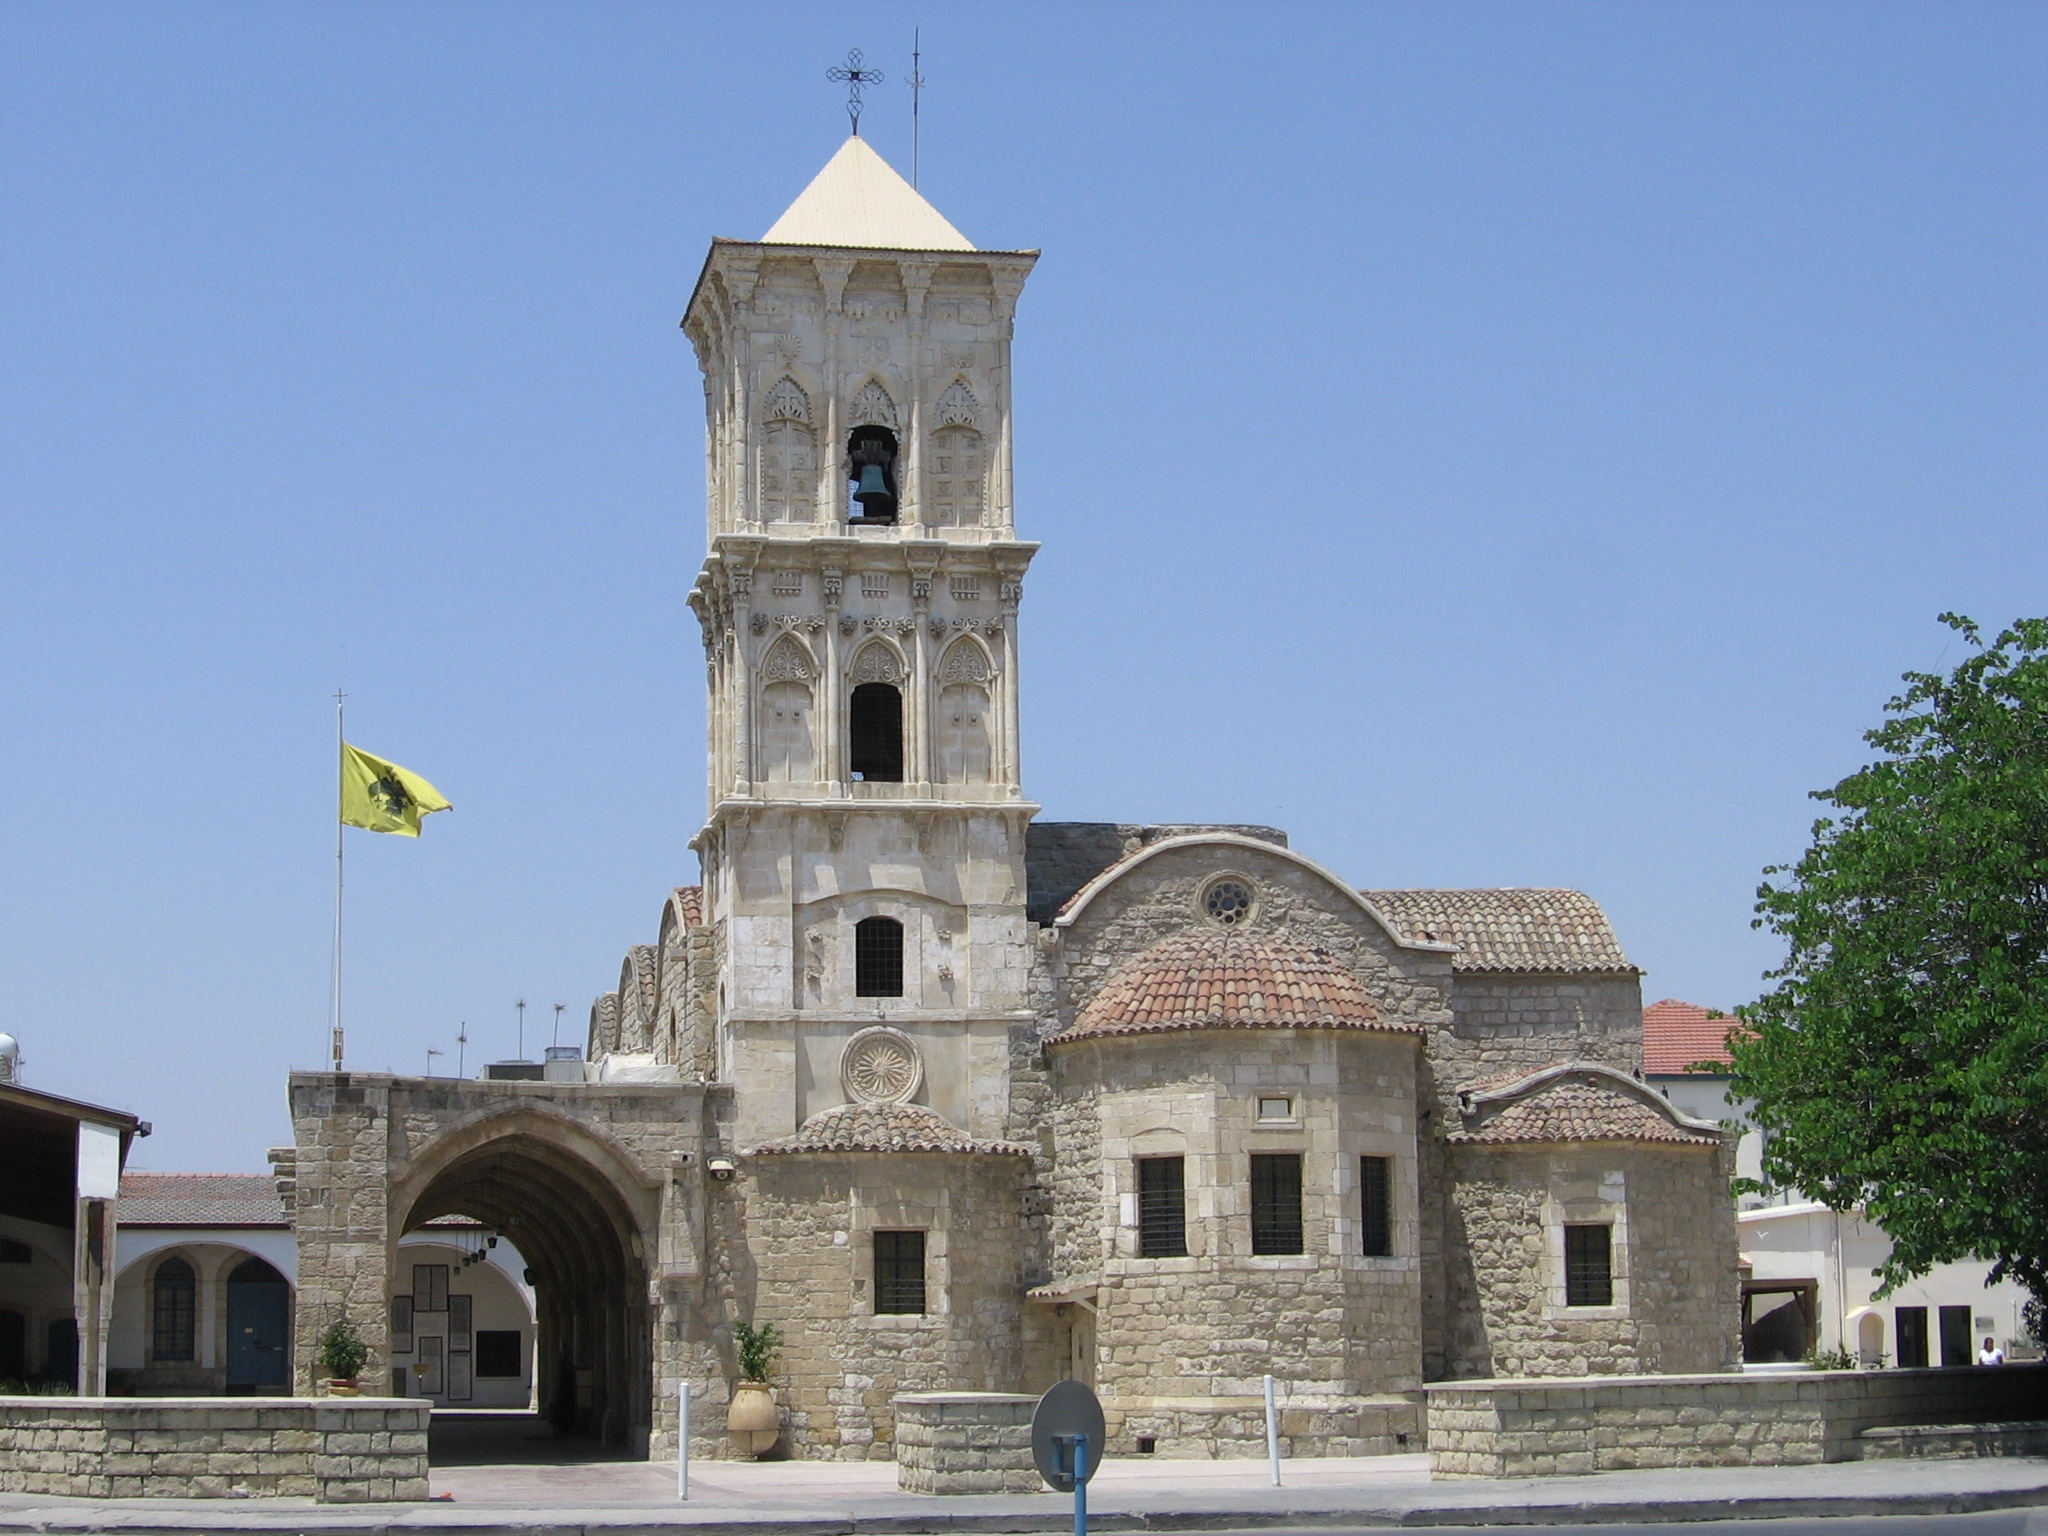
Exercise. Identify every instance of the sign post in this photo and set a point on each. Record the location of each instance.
(683, 1440)
(1067, 1437)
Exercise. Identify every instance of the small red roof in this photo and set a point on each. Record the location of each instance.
(1676, 1035)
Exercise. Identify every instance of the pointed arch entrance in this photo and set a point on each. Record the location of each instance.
(568, 1204)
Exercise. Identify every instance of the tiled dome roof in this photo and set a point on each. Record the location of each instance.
(1228, 980)
(884, 1128)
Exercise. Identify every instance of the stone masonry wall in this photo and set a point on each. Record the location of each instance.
(1676, 1295)
(1539, 1429)
(965, 1442)
(1062, 856)
(358, 1450)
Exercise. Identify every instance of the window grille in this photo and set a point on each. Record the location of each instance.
(899, 1272)
(875, 734)
(174, 1311)
(878, 957)
(1375, 1207)
(1162, 1208)
(1276, 1202)
(1589, 1265)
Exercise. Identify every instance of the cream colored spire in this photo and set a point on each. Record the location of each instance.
(859, 200)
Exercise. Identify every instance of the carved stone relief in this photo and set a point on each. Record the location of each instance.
(881, 1066)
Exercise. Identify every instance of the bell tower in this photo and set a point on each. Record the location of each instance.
(864, 848)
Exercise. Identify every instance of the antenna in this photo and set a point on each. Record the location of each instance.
(521, 1006)
(916, 84)
(461, 1048)
(559, 1007)
(856, 74)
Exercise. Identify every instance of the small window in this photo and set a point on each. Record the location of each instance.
(497, 1352)
(878, 957)
(1276, 1202)
(173, 1311)
(875, 734)
(1276, 1107)
(1162, 1208)
(1227, 903)
(899, 1272)
(1375, 1207)
(430, 1288)
(1589, 1265)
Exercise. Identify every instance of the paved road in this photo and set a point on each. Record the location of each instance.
(1992, 1523)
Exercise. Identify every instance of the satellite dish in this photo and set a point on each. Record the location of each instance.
(1069, 1409)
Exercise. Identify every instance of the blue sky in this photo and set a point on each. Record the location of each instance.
(1501, 444)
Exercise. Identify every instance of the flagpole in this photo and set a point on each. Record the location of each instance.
(334, 1000)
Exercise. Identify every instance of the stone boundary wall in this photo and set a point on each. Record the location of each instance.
(965, 1442)
(1532, 1428)
(336, 1451)
(1234, 1428)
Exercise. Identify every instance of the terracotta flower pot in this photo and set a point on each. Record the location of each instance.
(751, 1417)
(343, 1386)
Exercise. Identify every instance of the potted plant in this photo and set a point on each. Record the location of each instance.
(751, 1417)
(341, 1353)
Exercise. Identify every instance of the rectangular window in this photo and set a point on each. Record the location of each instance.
(899, 1272)
(1275, 1108)
(401, 1325)
(497, 1352)
(1376, 1207)
(1911, 1326)
(1162, 1208)
(430, 1288)
(1589, 1265)
(1276, 1202)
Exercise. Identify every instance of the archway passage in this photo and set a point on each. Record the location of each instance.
(591, 1359)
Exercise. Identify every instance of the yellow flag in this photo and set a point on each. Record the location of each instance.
(384, 797)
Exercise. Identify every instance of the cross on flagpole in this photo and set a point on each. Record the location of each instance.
(855, 73)
(334, 991)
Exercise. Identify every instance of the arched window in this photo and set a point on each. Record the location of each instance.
(785, 723)
(963, 738)
(871, 466)
(173, 1309)
(789, 459)
(875, 734)
(878, 957)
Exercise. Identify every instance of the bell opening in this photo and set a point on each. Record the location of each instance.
(871, 468)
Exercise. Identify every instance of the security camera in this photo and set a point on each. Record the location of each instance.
(721, 1168)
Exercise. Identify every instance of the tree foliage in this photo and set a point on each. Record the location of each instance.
(1901, 1061)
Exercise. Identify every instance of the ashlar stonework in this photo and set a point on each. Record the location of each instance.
(965, 1101)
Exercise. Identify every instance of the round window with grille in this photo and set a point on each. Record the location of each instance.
(1228, 902)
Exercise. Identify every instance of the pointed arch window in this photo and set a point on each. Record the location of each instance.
(787, 748)
(173, 1310)
(963, 739)
(956, 475)
(787, 484)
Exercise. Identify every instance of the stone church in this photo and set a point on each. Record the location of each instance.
(958, 1099)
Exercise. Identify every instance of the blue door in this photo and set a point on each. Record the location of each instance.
(259, 1329)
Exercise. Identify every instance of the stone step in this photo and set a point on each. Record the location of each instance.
(1951, 1442)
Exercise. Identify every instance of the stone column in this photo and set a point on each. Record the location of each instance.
(920, 681)
(832, 275)
(917, 281)
(831, 700)
(740, 582)
(1013, 767)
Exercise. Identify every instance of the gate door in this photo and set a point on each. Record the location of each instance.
(259, 1330)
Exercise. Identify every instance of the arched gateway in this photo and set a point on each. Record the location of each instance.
(584, 1180)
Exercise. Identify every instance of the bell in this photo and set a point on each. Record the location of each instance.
(875, 498)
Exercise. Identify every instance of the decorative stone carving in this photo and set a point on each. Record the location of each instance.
(873, 351)
(789, 346)
(957, 407)
(787, 402)
(876, 663)
(881, 1066)
(957, 354)
(788, 662)
(872, 407)
(965, 662)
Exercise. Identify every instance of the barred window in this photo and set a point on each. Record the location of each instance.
(1276, 1202)
(1162, 1208)
(173, 1311)
(1589, 1265)
(899, 1272)
(878, 957)
(1375, 1207)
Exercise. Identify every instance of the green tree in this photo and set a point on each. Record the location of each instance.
(1901, 1061)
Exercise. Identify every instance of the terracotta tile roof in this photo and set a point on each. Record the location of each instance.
(690, 898)
(1675, 1035)
(1224, 979)
(1577, 1101)
(883, 1128)
(199, 1200)
(1515, 930)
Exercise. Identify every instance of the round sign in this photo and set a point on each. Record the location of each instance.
(1070, 1408)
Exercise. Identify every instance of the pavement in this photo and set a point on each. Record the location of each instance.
(563, 1489)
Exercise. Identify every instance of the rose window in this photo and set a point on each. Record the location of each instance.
(1227, 903)
(881, 1066)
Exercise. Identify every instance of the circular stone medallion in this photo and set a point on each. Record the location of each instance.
(881, 1066)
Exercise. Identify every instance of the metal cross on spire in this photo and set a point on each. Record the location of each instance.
(916, 84)
(855, 73)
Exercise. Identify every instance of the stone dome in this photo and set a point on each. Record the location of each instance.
(1227, 980)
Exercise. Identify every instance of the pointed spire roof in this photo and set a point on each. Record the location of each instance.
(859, 200)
